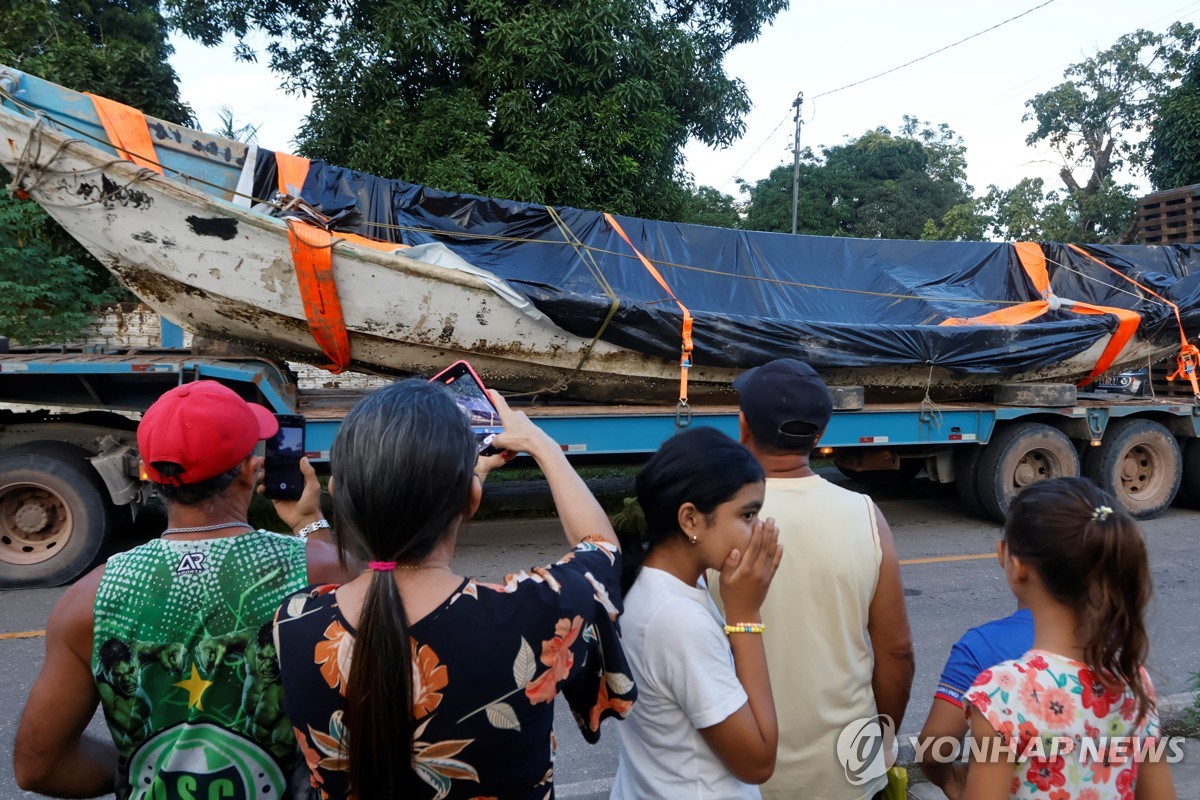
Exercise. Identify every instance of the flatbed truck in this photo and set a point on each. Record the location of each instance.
(69, 478)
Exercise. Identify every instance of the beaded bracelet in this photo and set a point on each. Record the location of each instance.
(745, 627)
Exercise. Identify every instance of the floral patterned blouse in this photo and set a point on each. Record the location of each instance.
(1073, 737)
(487, 665)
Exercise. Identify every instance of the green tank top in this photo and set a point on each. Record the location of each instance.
(184, 659)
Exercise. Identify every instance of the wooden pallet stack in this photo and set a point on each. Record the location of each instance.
(1170, 217)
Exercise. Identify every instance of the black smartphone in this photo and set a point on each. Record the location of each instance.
(282, 479)
(473, 399)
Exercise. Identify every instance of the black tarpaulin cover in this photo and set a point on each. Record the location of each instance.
(755, 296)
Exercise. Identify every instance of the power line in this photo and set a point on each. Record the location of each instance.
(760, 147)
(871, 78)
(935, 52)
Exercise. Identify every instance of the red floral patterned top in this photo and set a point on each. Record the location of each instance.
(1072, 737)
(487, 665)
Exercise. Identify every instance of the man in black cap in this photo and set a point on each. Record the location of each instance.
(838, 643)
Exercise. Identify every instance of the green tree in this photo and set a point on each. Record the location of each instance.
(1095, 120)
(115, 48)
(48, 293)
(879, 185)
(708, 206)
(586, 103)
(1175, 137)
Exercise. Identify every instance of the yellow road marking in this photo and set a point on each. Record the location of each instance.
(938, 559)
(22, 635)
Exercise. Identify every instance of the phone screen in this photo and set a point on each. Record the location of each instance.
(282, 479)
(471, 397)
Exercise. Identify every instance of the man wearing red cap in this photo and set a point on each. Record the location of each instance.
(173, 638)
(837, 637)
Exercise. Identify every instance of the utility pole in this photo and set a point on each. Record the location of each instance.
(796, 104)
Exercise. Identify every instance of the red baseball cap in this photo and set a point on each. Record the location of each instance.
(205, 428)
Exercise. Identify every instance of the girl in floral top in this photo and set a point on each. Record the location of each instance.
(413, 682)
(1073, 718)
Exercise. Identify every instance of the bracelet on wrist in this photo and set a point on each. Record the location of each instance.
(312, 527)
(745, 627)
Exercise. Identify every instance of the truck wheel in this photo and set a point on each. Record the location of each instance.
(1139, 463)
(1018, 455)
(966, 467)
(1189, 484)
(885, 479)
(54, 515)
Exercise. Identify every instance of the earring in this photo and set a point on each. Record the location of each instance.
(693, 538)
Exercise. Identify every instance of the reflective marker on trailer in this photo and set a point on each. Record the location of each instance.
(872, 439)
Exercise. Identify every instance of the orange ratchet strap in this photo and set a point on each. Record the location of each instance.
(1033, 261)
(127, 131)
(1189, 355)
(685, 359)
(312, 255)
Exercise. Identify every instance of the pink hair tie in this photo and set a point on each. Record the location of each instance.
(383, 566)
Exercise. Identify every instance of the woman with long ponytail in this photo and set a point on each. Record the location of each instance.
(411, 681)
(1075, 716)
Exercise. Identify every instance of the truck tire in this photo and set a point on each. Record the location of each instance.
(1020, 454)
(966, 482)
(884, 479)
(1189, 485)
(54, 515)
(1138, 462)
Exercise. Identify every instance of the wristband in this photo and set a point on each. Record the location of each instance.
(312, 527)
(745, 627)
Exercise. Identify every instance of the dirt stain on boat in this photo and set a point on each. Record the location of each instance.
(222, 227)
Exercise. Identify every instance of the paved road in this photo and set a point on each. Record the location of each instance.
(949, 588)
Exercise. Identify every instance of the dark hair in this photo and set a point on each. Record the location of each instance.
(192, 494)
(112, 652)
(1091, 557)
(402, 465)
(803, 435)
(701, 466)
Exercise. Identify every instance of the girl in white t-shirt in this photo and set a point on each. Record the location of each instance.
(704, 724)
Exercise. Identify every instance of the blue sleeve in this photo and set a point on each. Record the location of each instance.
(962, 667)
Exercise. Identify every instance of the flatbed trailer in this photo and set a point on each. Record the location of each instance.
(68, 476)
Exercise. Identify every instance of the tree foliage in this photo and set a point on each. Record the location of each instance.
(115, 48)
(879, 185)
(708, 206)
(586, 103)
(1097, 119)
(47, 291)
(1175, 138)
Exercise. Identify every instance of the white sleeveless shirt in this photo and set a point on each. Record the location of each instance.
(818, 651)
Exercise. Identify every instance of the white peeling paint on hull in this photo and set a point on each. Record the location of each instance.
(226, 272)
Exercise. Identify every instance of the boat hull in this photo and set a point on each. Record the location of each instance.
(224, 271)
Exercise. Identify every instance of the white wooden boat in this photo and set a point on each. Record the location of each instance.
(183, 245)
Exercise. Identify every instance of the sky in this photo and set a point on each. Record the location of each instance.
(979, 88)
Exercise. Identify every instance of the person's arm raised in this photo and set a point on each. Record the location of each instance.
(581, 515)
(324, 566)
(747, 741)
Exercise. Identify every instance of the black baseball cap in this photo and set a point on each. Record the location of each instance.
(785, 403)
